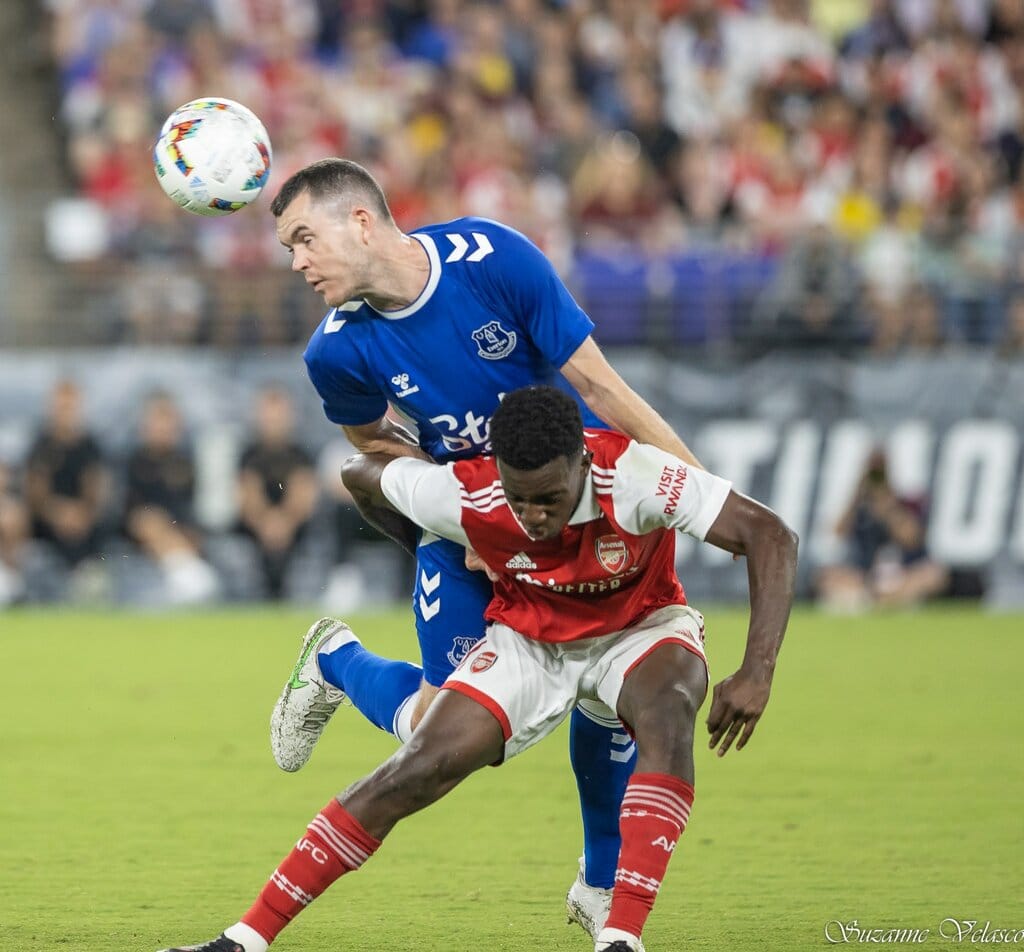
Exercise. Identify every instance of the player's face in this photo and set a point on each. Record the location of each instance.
(544, 499)
(328, 245)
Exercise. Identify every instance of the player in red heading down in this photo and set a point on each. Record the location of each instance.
(577, 529)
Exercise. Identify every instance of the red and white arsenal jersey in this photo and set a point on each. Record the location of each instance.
(613, 564)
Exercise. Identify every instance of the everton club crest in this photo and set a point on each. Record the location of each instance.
(494, 342)
(612, 553)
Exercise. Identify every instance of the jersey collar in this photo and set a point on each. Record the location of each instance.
(587, 509)
(435, 275)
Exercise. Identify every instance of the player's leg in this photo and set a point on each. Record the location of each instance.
(448, 604)
(458, 736)
(602, 755)
(331, 655)
(448, 607)
(657, 678)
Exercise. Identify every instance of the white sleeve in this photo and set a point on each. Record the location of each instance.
(653, 489)
(426, 493)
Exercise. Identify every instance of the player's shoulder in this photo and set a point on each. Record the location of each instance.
(473, 240)
(607, 446)
(338, 328)
(481, 485)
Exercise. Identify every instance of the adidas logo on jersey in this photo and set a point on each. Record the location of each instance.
(520, 561)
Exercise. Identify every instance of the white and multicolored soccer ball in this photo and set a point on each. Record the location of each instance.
(212, 156)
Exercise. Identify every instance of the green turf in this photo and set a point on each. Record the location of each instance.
(139, 803)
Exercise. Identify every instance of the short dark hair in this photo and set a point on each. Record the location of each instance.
(536, 425)
(331, 178)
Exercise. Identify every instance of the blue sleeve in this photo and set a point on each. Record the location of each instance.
(348, 401)
(529, 288)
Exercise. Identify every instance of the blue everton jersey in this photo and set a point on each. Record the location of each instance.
(493, 317)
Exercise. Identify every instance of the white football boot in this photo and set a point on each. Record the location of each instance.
(589, 906)
(615, 940)
(308, 701)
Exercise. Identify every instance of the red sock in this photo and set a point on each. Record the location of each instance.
(335, 843)
(654, 814)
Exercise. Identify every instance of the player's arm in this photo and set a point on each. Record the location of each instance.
(652, 490)
(745, 527)
(420, 492)
(525, 284)
(615, 402)
(382, 440)
(384, 436)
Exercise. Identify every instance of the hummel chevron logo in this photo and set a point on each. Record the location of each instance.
(429, 609)
(460, 246)
(428, 585)
(628, 746)
(520, 561)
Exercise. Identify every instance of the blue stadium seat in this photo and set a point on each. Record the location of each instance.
(612, 289)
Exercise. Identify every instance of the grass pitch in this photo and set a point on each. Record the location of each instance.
(140, 806)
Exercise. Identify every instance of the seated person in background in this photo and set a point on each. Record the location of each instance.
(67, 482)
(886, 563)
(14, 533)
(158, 517)
(277, 488)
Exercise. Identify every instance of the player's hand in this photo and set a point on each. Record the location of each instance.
(476, 564)
(736, 706)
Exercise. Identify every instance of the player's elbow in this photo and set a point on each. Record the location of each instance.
(356, 476)
(784, 539)
(767, 531)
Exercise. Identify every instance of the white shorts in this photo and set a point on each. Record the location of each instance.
(530, 686)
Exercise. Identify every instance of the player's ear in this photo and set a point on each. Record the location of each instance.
(585, 460)
(364, 221)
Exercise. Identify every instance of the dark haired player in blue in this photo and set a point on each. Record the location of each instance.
(439, 325)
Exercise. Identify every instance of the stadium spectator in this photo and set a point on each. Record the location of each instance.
(158, 506)
(811, 303)
(577, 511)
(492, 109)
(67, 485)
(1012, 344)
(277, 488)
(15, 528)
(886, 562)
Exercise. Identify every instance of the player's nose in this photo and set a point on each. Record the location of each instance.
(533, 518)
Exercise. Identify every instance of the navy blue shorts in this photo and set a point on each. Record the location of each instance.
(449, 602)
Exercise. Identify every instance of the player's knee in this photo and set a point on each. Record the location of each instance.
(426, 696)
(667, 723)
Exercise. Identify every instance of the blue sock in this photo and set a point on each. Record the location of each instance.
(602, 758)
(376, 686)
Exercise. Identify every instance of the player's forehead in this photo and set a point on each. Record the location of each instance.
(304, 213)
(546, 480)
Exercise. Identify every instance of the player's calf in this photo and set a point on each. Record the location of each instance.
(659, 701)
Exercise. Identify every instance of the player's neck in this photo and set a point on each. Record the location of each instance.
(404, 270)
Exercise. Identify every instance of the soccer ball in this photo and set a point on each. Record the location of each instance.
(212, 156)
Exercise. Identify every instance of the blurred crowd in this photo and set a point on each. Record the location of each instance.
(79, 522)
(867, 152)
